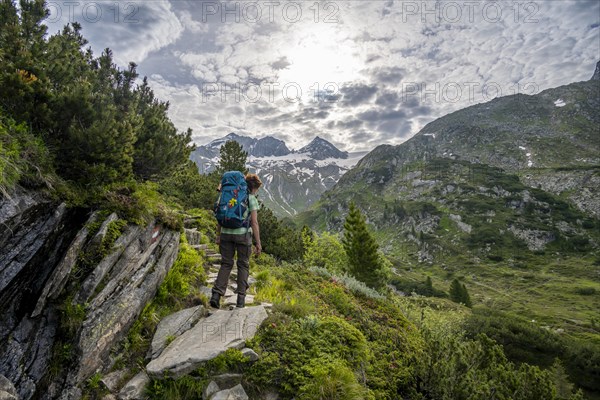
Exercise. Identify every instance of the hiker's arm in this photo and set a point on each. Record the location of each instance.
(255, 230)
(218, 239)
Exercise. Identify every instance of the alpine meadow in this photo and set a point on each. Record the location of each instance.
(359, 200)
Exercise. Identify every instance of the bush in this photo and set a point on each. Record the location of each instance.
(332, 381)
(294, 352)
(24, 158)
(326, 251)
(355, 286)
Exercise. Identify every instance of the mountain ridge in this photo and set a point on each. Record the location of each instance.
(293, 179)
(543, 145)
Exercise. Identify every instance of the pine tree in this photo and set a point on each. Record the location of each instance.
(456, 291)
(459, 293)
(465, 298)
(564, 388)
(159, 147)
(361, 248)
(233, 158)
(428, 287)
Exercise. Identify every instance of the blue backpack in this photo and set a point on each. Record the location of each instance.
(232, 204)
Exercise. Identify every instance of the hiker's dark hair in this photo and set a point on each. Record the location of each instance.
(253, 182)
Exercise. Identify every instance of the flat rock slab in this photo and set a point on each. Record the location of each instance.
(174, 325)
(210, 337)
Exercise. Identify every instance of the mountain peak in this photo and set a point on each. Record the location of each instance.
(596, 76)
(320, 149)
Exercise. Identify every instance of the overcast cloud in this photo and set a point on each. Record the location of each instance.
(358, 73)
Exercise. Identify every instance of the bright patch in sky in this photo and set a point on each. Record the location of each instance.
(318, 55)
(394, 66)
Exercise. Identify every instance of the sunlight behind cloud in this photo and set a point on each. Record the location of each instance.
(318, 55)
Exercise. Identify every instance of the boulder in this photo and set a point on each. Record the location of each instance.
(251, 354)
(7, 389)
(174, 325)
(193, 236)
(112, 381)
(210, 390)
(209, 338)
(134, 389)
(227, 381)
(235, 393)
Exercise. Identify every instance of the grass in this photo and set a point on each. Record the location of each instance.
(547, 290)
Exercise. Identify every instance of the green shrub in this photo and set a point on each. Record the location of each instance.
(24, 158)
(332, 381)
(586, 291)
(187, 273)
(291, 355)
(355, 286)
(327, 251)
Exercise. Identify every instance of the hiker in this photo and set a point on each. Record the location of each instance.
(238, 240)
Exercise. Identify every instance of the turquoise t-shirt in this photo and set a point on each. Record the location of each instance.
(252, 206)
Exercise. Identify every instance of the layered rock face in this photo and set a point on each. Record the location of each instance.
(42, 281)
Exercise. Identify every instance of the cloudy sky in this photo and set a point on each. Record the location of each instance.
(358, 73)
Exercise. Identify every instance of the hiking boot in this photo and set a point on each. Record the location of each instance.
(241, 301)
(215, 300)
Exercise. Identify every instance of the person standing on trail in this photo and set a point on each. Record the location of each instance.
(238, 240)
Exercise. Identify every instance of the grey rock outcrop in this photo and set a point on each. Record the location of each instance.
(235, 393)
(59, 277)
(251, 354)
(174, 325)
(132, 282)
(40, 245)
(209, 338)
(227, 381)
(112, 381)
(193, 237)
(134, 389)
(210, 390)
(7, 389)
(35, 233)
(535, 239)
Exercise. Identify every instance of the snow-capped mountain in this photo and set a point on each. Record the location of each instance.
(321, 149)
(293, 180)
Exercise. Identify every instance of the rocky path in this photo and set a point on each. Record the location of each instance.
(186, 339)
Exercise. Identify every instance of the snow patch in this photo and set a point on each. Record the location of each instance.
(560, 103)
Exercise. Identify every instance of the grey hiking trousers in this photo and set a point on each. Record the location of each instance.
(230, 244)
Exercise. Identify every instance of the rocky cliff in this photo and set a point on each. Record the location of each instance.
(69, 291)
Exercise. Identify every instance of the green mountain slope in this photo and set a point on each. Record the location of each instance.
(501, 195)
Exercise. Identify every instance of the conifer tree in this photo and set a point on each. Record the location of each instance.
(233, 158)
(455, 291)
(428, 287)
(466, 299)
(361, 248)
(459, 293)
